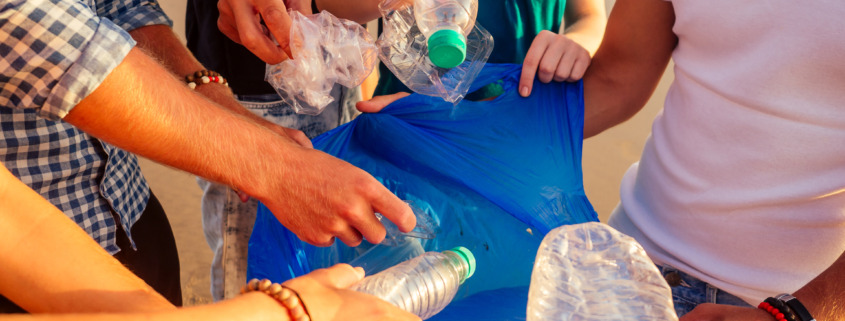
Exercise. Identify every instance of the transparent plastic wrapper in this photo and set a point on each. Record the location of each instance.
(375, 258)
(326, 50)
(403, 48)
(423, 285)
(397, 246)
(591, 272)
(426, 227)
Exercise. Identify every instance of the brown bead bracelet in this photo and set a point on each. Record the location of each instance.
(203, 77)
(286, 296)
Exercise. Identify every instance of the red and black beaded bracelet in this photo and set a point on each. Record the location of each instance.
(785, 307)
(203, 77)
(777, 309)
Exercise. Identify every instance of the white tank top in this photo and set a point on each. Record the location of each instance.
(742, 182)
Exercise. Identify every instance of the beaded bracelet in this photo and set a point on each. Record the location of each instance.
(203, 77)
(777, 309)
(286, 296)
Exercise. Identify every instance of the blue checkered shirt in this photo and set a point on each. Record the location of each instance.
(53, 53)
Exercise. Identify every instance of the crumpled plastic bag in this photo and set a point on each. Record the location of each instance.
(326, 51)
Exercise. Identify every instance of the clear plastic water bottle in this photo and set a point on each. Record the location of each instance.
(420, 60)
(446, 23)
(423, 285)
(592, 272)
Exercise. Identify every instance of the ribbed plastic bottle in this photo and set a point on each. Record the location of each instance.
(423, 285)
(591, 272)
(446, 23)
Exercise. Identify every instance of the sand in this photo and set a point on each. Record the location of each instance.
(606, 158)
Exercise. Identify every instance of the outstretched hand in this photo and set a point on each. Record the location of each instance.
(326, 295)
(327, 198)
(555, 57)
(295, 135)
(320, 197)
(240, 20)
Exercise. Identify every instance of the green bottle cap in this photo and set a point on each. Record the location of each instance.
(468, 257)
(447, 48)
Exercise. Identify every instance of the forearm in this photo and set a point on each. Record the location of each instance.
(587, 32)
(50, 265)
(252, 307)
(627, 67)
(160, 43)
(172, 125)
(585, 23)
(825, 294)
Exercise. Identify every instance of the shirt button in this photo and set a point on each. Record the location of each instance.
(673, 278)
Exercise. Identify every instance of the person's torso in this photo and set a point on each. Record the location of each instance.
(243, 70)
(742, 182)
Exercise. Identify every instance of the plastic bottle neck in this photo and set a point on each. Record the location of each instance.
(458, 261)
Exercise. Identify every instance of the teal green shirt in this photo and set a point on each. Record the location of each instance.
(513, 24)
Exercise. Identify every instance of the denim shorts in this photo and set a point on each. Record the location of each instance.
(272, 108)
(688, 291)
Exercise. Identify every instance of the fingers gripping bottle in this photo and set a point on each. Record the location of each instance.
(446, 23)
(423, 285)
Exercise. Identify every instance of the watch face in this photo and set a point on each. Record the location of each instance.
(784, 297)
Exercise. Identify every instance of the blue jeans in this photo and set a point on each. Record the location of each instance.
(272, 108)
(688, 291)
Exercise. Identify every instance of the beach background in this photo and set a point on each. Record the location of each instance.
(605, 160)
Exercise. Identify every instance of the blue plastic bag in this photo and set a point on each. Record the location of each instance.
(495, 175)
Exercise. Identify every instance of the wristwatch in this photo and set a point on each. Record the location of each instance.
(796, 307)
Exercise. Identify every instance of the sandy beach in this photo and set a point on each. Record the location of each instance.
(605, 160)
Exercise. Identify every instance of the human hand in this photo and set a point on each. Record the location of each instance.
(326, 295)
(377, 103)
(319, 197)
(240, 20)
(722, 312)
(296, 135)
(555, 57)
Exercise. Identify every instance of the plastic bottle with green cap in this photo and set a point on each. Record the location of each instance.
(423, 285)
(445, 24)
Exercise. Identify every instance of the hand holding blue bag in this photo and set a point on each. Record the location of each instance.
(495, 176)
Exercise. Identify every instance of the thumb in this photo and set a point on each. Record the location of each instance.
(377, 103)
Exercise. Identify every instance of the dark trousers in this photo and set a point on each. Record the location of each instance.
(156, 261)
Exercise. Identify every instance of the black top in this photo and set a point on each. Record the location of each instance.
(243, 70)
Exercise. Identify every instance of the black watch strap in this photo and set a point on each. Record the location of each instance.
(796, 307)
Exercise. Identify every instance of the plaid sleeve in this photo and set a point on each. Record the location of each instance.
(132, 14)
(54, 53)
